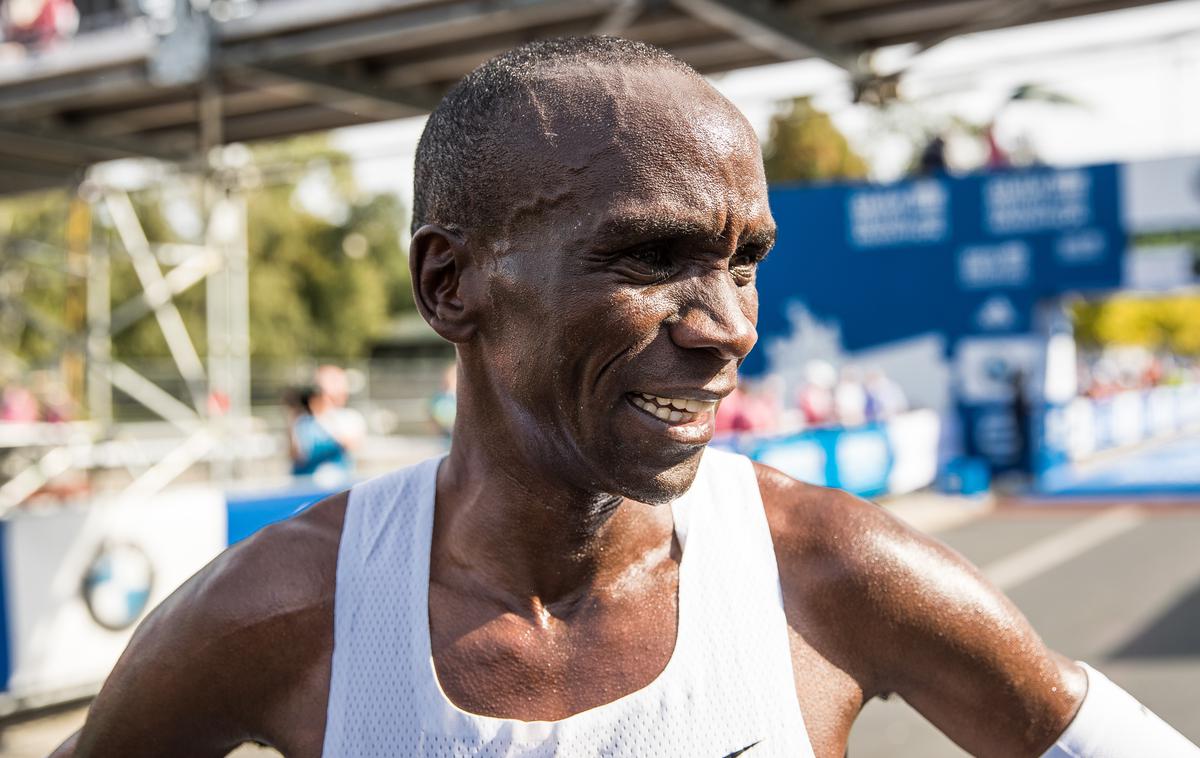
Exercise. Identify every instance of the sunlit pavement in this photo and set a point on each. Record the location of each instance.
(1117, 585)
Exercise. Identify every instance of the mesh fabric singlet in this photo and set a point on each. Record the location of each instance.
(727, 688)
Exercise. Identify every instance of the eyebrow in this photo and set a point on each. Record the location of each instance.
(633, 228)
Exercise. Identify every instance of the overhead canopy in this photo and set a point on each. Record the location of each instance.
(293, 66)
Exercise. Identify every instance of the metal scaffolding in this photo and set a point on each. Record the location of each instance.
(213, 423)
(192, 73)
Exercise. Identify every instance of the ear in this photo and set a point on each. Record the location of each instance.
(437, 260)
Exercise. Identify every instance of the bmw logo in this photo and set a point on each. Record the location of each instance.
(117, 584)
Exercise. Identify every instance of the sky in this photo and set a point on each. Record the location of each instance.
(1135, 75)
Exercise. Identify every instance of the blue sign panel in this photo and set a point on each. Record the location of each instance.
(957, 257)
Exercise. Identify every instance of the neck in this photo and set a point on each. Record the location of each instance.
(505, 530)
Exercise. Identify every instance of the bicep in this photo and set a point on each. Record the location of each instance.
(902, 613)
(240, 652)
(957, 650)
(165, 695)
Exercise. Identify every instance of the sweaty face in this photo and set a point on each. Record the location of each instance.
(621, 293)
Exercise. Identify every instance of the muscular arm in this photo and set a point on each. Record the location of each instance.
(910, 616)
(239, 652)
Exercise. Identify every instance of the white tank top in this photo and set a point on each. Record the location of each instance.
(727, 689)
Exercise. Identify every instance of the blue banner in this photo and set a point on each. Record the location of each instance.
(956, 257)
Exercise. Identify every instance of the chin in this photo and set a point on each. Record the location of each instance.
(645, 483)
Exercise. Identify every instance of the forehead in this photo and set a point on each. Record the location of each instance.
(643, 144)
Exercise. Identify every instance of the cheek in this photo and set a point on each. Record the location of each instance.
(635, 316)
(515, 338)
(749, 302)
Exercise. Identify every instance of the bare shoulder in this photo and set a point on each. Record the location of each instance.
(838, 558)
(812, 522)
(235, 654)
(904, 613)
(831, 535)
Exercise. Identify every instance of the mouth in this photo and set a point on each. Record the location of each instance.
(673, 411)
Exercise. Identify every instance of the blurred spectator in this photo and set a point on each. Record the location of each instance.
(345, 423)
(885, 398)
(18, 405)
(748, 409)
(218, 403)
(850, 398)
(35, 24)
(825, 399)
(731, 417)
(55, 401)
(1152, 376)
(766, 410)
(816, 396)
(933, 157)
(314, 449)
(997, 159)
(1022, 420)
(1124, 368)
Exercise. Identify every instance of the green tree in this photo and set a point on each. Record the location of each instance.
(804, 145)
(33, 280)
(322, 284)
(1169, 323)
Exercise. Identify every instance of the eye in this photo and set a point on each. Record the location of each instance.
(650, 264)
(744, 264)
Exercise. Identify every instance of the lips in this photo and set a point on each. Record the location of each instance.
(673, 410)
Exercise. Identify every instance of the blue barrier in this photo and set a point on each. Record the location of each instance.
(876, 459)
(966, 476)
(246, 513)
(856, 460)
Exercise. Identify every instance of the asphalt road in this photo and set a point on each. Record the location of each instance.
(1117, 586)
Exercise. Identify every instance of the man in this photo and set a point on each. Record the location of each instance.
(346, 424)
(314, 449)
(579, 576)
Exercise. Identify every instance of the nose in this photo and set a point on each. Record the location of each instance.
(720, 318)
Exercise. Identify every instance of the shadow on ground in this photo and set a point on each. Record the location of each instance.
(1173, 634)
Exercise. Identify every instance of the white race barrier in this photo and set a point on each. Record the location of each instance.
(1078, 431)
(1083, 427)
(76, 580)
(914, 439)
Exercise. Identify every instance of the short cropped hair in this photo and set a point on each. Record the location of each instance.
(464, 171)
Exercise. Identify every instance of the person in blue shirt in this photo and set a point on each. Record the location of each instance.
(313, 446)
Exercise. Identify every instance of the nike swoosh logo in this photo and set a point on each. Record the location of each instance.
(736, 753)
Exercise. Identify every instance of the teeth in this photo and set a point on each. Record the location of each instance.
(672, 409)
